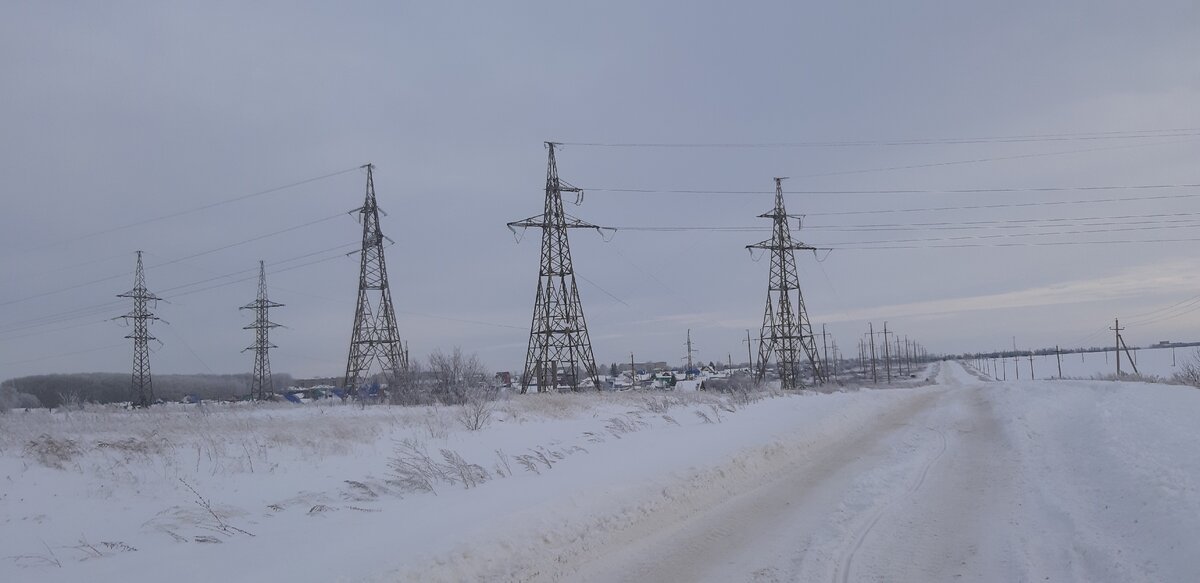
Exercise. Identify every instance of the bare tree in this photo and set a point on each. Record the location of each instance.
(407, 388)
(453, 374)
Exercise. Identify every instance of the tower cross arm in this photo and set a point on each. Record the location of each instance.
(256, 304)
(140, 295)
(569, 222)
(770, 245)
(267, 325)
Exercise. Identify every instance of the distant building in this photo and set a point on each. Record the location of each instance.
(644, 367)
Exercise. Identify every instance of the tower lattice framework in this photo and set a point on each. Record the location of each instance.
(141, 390)
(375, 338)
(261, 384)
(558, 336)
(786, 332)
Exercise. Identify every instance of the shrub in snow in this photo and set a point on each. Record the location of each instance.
(414, 470)
(478, 406)
(52, 452)
(1189, 372)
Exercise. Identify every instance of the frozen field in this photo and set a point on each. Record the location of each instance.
(964, 479)
(1158, 362)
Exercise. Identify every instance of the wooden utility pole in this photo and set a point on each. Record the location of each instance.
(887, 357)
(1058, 356)
(1031, 377)
(836, 358)
(1121, 345)
(749, 354)
(633, 375)
(825, 344)
(1117, 347)
(907, 354)
(1016, 359)
(874, 374)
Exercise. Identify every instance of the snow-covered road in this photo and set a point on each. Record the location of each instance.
(952, 484)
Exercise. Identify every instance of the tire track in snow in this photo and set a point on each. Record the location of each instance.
(842, 574)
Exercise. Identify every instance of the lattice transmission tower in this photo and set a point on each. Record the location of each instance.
(261, 384)
(141, 390)
(375, 338)
(786, 331)
(560, 351)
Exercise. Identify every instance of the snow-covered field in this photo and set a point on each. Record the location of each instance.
(1157, 362)
(964, 479)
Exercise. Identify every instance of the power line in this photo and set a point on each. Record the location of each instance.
(174, 261)
(1055, 223)
(989, 159)
(1008, 205)
(106, 307)
(1024, 244)
(1011, 235)
(1084, 136)
(203, 207)
(898, 191)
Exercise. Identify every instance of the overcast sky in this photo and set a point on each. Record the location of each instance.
(116, 115)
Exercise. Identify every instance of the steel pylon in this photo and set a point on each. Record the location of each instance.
(786, 331)
(560, 351)
(375, 338)
(261, 384)
(141, 390)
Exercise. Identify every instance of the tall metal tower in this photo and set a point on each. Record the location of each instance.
(786, 331)
(558, 336)
(141, 390)
(375, 337)
(261, 384)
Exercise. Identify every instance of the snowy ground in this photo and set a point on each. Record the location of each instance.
(1151, 362)
(964, 479)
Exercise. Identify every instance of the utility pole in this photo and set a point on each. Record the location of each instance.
(887, 357)
(261, 383)
(825, 345)
(1031, 376)
(375, 337)
(1058, 356)
(836, 360)
(141, 389)
(633, 375)
(558, 335)
(1121, 345)
(1117, 347)
(1016, 359)
(899, 357)
(749, 354)
(786, 331)
(871, 334)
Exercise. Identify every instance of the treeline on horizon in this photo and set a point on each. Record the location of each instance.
(54, 390)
